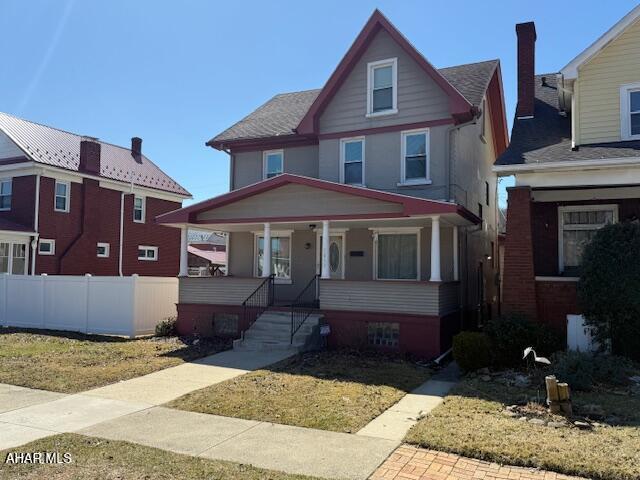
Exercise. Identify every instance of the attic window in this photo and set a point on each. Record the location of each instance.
(382, 87)
(630, 111)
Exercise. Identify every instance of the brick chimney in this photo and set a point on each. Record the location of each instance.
(89, 155)
(136, 147)
(526, 33)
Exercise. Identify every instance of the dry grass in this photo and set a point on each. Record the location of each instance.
(98, 459)
(472, 422)
(69, 362)
(338, 391)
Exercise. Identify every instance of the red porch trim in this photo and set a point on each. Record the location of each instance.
(389, 128)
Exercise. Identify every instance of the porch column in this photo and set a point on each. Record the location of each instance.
(266, 264)
(184, 255)
(435, 249)
(456, 267)
(325, 250)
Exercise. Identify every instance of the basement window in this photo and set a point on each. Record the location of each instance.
(102, 250)
(383, 334)
(46, 247)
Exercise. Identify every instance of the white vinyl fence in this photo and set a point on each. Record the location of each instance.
(127, 306)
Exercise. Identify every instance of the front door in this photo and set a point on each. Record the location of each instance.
(336, 256)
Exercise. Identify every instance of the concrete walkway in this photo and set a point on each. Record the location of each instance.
(394, 423)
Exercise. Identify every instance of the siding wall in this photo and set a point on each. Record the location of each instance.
(598, 85)
(8, 149)
(216, 290)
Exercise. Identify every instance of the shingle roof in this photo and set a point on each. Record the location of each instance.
(51, 146)
(282, 114)
(10, 226)
(546, 137)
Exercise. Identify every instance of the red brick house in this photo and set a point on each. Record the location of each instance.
(72, 205)
(575, 155)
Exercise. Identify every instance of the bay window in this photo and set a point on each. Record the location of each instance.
(415, 157)
(352, 161)
(397, 255)
(280, 255)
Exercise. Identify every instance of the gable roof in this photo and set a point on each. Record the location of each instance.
(570, 71)
(58, 148)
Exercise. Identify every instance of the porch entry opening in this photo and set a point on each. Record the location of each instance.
(336, 255)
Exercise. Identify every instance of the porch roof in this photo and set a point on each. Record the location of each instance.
(404, 206)
(14, 228)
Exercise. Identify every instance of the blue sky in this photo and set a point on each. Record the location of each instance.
(177, 73)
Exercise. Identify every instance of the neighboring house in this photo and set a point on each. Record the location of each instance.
(575, 154)
(390, 162)
(73, 205)
(207, 253)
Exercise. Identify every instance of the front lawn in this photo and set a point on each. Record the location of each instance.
(474, 421)
(333, 390)
(101, 459)
(72, 362)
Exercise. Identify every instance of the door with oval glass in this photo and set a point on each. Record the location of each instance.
(336, 255)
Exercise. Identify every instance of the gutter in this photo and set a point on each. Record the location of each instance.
(122, 194)
(36, 222)
(567, 165)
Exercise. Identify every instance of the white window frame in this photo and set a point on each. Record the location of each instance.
(579, 208)
(145, 258)
(274, 233)
(265, 154)
(107, 248)
(341, 232)
(343, 142)
(144, 208)
(12, 243)
(371, 66)
(403, 166)
(48, 241)
(396, 231)
(625, 110)
(8, 180)
(67, 202)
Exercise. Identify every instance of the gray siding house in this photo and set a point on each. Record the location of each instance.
(390, 162)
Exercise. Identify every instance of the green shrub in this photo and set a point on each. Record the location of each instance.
(583, 370)
(510, 335)
(609, 287)
(166, 328)
(472, 350)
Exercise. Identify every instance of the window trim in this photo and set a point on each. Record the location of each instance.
(397, 231)
(343, 142)
(625, 110)
(144, 208)
(51, 242)
(371, 66)
(145, 258)
(10, 181)
(12, 243)
(274, 233)
(67, 203)
(333, 232)
(403, 167)
(107, 248)
(265, 154)
(578, 208)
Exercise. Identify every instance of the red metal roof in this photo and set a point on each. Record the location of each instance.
(217, 258)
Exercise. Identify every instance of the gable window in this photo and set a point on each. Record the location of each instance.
(46, 247)
(102, 250)
(396, 254)
(352, 161)
(630, 111)
(5, 194)
(139, 204)
(382, 87)
(577, 227)
(62, 196)
(280, 255)
(415, 157)
(273, 163)
(147, 253)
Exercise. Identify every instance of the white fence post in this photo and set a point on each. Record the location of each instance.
(3, 296)
(87, 276)
(43, 300)
(134, 305)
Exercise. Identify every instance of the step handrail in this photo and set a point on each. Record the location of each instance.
(305, 303)
(256, 303)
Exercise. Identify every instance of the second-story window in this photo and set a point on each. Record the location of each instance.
(138, 209)
(273, 163)
(382, 91)
(352, 161)
(630, 111)
(415, 157)
(62, 197)
(5, 194)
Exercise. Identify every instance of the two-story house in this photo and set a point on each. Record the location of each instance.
(575, 154)
(74, 205)
(373, 195)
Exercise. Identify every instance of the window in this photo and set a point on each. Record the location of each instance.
(415, 157)
(139, 204)
(383, 334)
(577, 226)
(102, 250)
(280, 255)
(273, 163)
(4, 257)
(5, 194)
(480, 211)
(352, 161)
(486, 193)
(630, 111)
(13, 258)
(147, 253)
(397, 255)
(382, 91)
(62, 197)
(46, 247)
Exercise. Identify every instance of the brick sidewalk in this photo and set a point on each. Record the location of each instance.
(410, 463)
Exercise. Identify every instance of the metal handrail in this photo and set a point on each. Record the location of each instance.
(305, 303)
(258, 302)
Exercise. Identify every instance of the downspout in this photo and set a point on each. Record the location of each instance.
(121, 233)
(36, 222)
